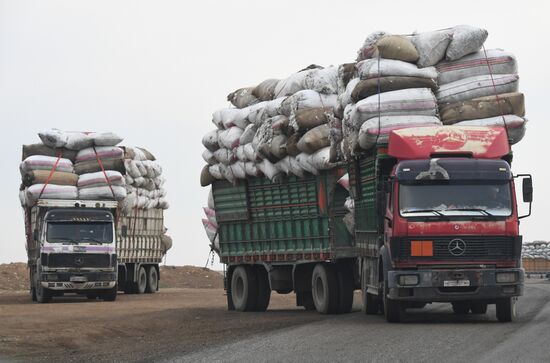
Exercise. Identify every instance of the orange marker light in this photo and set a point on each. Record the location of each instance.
(422, 248)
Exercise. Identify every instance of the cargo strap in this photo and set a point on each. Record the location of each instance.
(49, 178)
(136, 211)
(104, 172)
(496, 94)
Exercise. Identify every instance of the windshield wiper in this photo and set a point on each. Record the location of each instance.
(435, 211)
(95, 240)
(473, 210)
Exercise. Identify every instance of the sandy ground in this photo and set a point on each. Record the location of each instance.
(171, 322)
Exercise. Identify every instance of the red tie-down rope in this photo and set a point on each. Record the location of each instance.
(104, 173)
(496, 94)
(49, 178)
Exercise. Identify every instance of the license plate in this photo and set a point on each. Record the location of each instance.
(456, 283)
(78, 279)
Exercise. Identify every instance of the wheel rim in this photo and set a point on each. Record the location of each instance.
(239, 288)
(319, 289)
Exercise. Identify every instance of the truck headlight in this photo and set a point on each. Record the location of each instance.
(405, 280)
(506, 277)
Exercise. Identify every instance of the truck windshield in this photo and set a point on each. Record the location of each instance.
(454, 200)
(74, 232)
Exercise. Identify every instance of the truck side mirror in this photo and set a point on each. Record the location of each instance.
(527, 187)
(35, 235)
(124, 231)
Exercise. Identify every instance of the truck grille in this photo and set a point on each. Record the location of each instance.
(78, 260)
(476, 248)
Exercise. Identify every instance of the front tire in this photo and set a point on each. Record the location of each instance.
(244, 288)
(264, 289)
(507, 309)
(324, 286)
(345, 289)
(109, 295)
(478, 308)
(43, 295)
(152, 280)
(393, 310)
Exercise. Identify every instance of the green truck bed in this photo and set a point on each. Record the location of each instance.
(296, 220)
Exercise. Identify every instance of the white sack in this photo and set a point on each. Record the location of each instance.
(51, 191)
(474, 87)
(369, 45)
(103, 152)
(321, 159)
(215, 171)
(78, 140)
(238, 170)
(208, 156)
(39, 162)
(106, 138)
(306, 163)
(225, 156)
(514, 124)
(97, 179)
(370, 134)
(466, 39)
(323, 80)
(292, 84)
(431, 46)
(269, 170)
(103, 192)
(248, 134)
(307, 99)
(210, 140)
(53, 138)
(230, 138)
(390, 67)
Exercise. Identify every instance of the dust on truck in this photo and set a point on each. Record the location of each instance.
(436, 220)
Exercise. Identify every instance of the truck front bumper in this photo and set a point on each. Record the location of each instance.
(66, 281)
(455, 284)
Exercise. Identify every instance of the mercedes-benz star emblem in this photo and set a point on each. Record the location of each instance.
(457, 247)
(78, 261)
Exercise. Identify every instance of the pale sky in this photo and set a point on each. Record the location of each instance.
(154, 71)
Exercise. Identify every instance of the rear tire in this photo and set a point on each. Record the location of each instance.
(478, 307)
(324, 287)
(244, 288)
(507, 309)
(345, 289)
(152, 280)
(461, 307)
(142, 280)
(264, 288)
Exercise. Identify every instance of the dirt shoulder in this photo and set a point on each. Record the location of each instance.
(170, 323)
(15, 277)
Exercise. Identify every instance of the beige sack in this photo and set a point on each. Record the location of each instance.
(265, 91)
(369, 87)
(41, 149)
(206, 177)
(315, 139)
(484, 107)
(91, 166)
(396, 47)
(292, 144)
(58, 178)
(309, 118)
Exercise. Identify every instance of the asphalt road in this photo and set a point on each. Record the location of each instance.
(432, 334)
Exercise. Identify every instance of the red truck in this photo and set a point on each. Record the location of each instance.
(449, 230)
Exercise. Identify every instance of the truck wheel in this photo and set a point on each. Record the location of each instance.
(507, 309)
(264, 289)
(244, 288)
(324, 287)
(393, 310)
(305, 299)
(109, 295)
(478, 307)
(461, 307)
(371, 303)
(142, 280)
(43, 295)
(152, 280)
(345, 289)
(32, 288)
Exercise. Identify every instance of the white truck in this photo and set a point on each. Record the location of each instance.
(88, 247)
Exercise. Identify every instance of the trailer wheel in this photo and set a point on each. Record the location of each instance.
(152, 280)
(507, 309)
(142, 280)
(264, 289)
(478, 307)
(324, 287)
(345, 289)
(244, 288)
(461, 307)
(393, 310)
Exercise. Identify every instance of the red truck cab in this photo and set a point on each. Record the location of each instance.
(451, 224)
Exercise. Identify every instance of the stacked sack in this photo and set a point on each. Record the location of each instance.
(210, 223)
(279, 127)
(318, 117)
(536, 249)
(90, 166)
